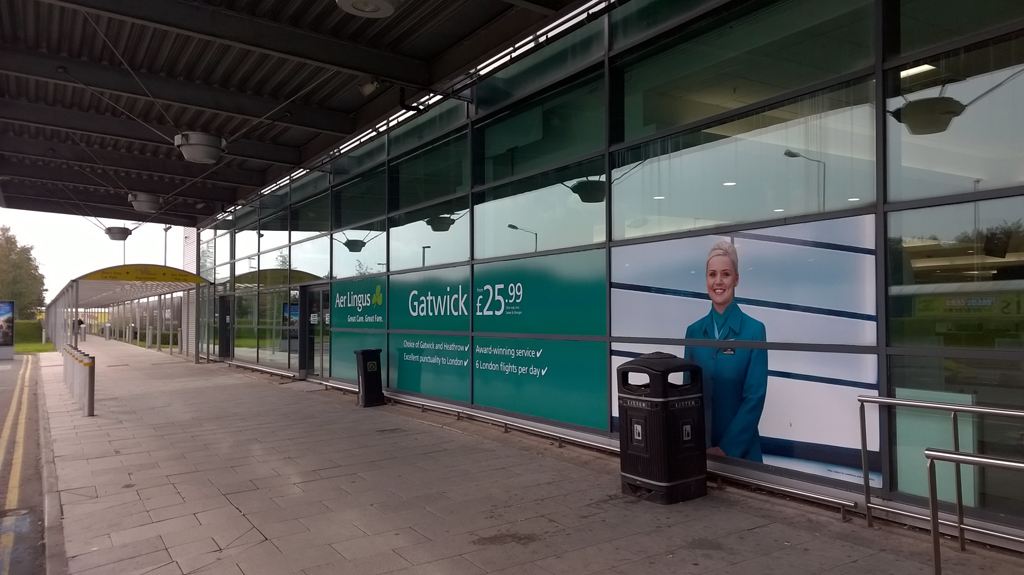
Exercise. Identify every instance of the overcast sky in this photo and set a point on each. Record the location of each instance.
(67, 247)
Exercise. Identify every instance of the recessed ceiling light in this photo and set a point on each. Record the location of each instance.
(728, 183)
(972, 272)
(853, 199)
(916, 70)
(659, 197)
(970, 251)
(369, 8)
(780, 210)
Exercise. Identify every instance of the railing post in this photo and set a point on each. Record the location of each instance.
(933, 507)
(959, 491)
(90, 386)
(864, 464)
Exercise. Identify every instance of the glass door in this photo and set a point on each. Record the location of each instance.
(318, 306)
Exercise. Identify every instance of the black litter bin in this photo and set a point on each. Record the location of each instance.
(661, 428)
(371, 390)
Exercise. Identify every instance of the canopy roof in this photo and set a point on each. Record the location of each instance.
(130, 282)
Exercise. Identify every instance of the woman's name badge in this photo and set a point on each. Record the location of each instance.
(728, 351)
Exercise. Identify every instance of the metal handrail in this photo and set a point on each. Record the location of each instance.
(954, 409)
(934, 455)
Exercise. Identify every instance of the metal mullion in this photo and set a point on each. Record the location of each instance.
(566, 78)
(429, 203)
(749, 109)
(443, 266)
(406, 154)
(667, 29)
(884, 23)
(956, 353)
(610, 101)
(555, 251)
(471, 150)
(743, 344)
(961, 198)
(355, 175)
(749, 226)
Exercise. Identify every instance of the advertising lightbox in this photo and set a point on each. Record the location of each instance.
(6, 330)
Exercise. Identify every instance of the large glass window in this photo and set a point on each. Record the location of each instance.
(247, 273)
(311, 260)
(206, 250)
(563, 56)
(311, 218)
(637, 18)
(811, 154)
(359, 159)
(223, 250)
(247, 242)
(361, 251)
(434, 235)
(956, 123)
(309, 185)
(956, 275)
(985, 382)
(274, 231)
(556, 128)
(361, 199)
(558, 209)
(222, 278)
(245, 328)
(273, 332)
(438, 171)
(781, 48)
(274, 268)
(928, 23)
(442, 118)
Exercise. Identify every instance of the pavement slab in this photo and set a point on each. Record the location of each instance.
(209, 469)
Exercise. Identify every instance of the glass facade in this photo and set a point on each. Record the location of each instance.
(844, 210)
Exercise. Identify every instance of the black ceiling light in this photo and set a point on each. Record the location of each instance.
(369, 8)
(934, 114)
(200, 147)
(589, 191)
(443, 223)
(354, 245)
(118, 234)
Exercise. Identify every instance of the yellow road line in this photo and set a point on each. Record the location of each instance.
(11, 412)
(14, 483)
(6, 544)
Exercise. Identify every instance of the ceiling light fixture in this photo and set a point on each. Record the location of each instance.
(853, 199)
(728, 183)
(118, 234)
(779, 210)
(368, 87)
(932, 115)
(916, 70)
(659, 197)
(589, 191)
(200, 147)
(369, 8)
(145, 203)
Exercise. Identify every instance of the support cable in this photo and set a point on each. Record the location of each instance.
(111, 102)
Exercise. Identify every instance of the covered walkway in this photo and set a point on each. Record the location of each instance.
(203, 468)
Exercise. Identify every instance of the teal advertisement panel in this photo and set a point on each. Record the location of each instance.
(559, 380)
(430, 364)
(343, 347)
(359, 303)
(560, 294)
(435, 300)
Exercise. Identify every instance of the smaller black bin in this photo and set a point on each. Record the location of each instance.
(371, 390)
(662, 448)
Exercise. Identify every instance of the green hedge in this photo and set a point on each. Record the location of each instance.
(28, 331)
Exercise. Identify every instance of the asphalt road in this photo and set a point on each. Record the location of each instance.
(21, 499)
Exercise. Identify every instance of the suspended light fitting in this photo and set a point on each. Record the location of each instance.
(589, 191)
(118, 234)
(200, 147)
(369, 8)
(145, 203)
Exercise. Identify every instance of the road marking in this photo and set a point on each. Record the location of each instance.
(10, 413)
(6, 543)
(14, 483)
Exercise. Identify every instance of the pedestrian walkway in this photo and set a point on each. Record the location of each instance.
(206, 468)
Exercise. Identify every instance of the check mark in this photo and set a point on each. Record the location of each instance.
(543, 371)
(539, 351)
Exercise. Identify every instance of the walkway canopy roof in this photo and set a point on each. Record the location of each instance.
(130, 282)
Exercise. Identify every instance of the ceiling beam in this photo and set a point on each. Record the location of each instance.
(17, 199)
(42, 66)
(75, 154)
(531, 6)
(44, 116)
(259, 35)
(73, 177)
(92, 198)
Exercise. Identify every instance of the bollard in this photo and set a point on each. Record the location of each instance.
(89, 399)
(44, 336)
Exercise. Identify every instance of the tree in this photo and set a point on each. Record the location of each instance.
(20, 279)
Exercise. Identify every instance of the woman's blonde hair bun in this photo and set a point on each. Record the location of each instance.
(725, 248)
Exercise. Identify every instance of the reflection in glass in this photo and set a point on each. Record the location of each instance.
(358, 159)
(560, 126)
(435, 235)
(274, 268)
(274, 231)
(311, 218)
(311, 260)
(810, 154)
(223, 249)
(291, 333)
(957, 275)
(985, 382)
(928, 23)
(246, 273)
(637, 18)
(438, 171)
(309, 185)
(426, 125)
(245, 328)
(206, 250)
(955, 123)
(361, 199)
(361, 251)
(273, 348)
(246, 242)
(781, 48)
(222, 277)
(554, 210)
(272, 310)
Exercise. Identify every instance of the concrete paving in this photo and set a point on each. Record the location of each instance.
(211, 469)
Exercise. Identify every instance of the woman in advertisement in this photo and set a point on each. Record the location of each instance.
(735, 379)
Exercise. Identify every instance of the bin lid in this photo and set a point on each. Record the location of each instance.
(660, 362)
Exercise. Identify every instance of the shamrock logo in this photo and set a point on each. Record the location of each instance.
(378, 297)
